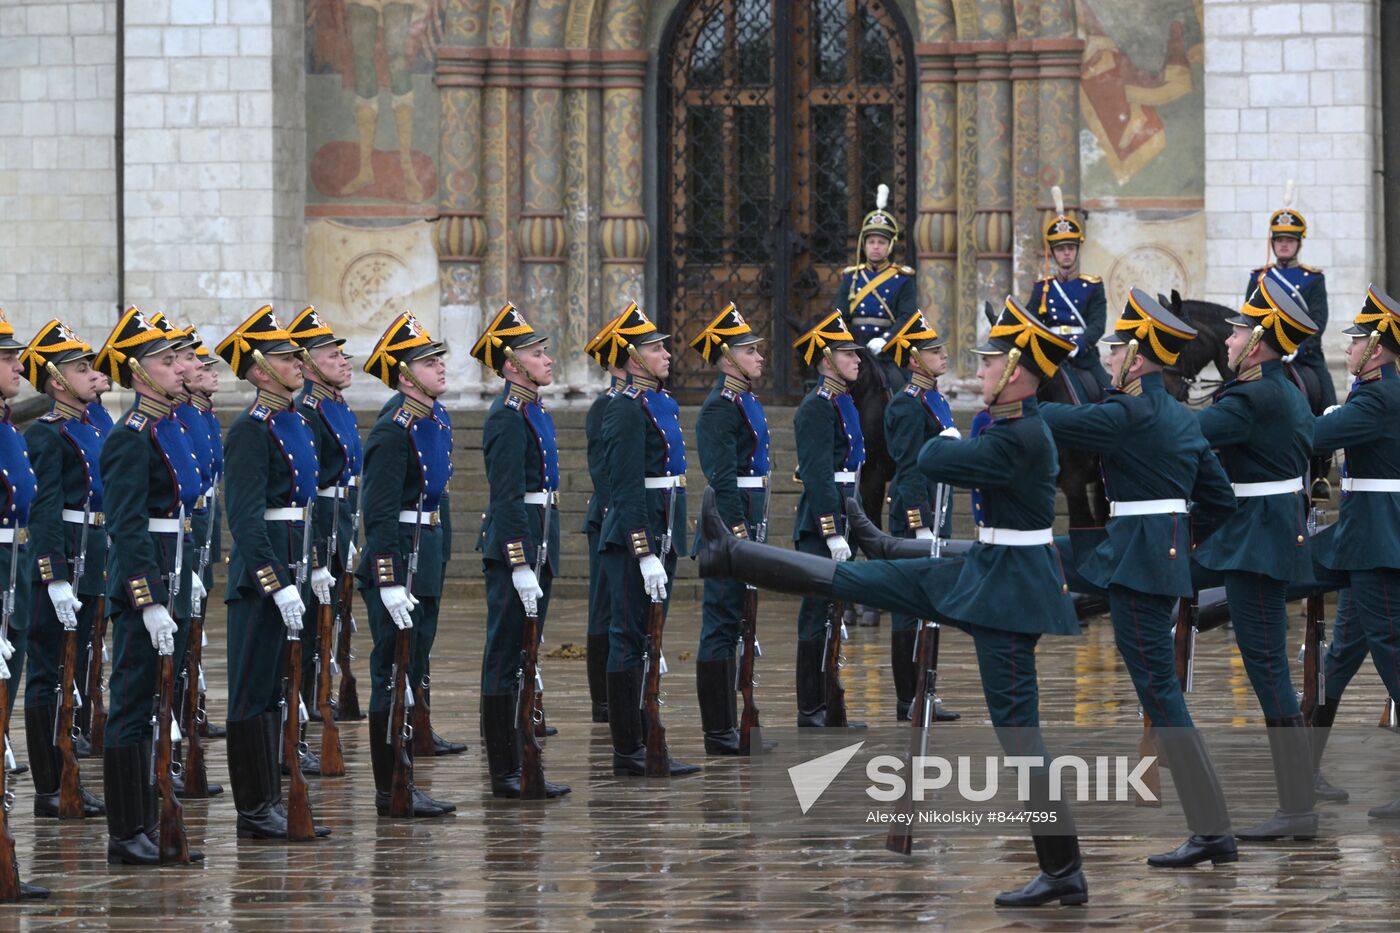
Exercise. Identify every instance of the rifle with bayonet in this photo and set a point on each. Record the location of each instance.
(749, 650)
(70, 793)
(332, 759)
(834, 690)
(1314, 636)
(400, 737)
(300, 826)
(527, 712)
(9, 862)
(347, 706)
(658, 763)
(193, 715)
(174, 846)
(97, 650)
(900, 838)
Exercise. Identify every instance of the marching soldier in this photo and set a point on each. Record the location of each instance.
(272, 470)
(326, 369)
(644, 528)
(1306, 285)
(20, 488)
(65, 451)
(150, 481)
(732, 433)
(876, 294)
(520, 535)
(1071, 303)
(607, 353)
(918, 508)
(407, 465)
(1262, 429)
(830, 453)
(1006, 593)
(1154, 461)
(1363, 545)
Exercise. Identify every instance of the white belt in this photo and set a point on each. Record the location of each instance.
(752, 482)
(665, 482)
(166, 526)
(1273, 488)
(871, 321)
(1015, 537)
(1362, 484)
(409, 516)
(1069, 330)
(94, 519)
(1132, 507)
(354, 481)
(845, 476)
(331, 492)
(7, 535)
(534, 498)
(284, 515)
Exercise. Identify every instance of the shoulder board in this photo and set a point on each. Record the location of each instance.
(911, 389)
(908, 270)
(849, 269)
(260, 412)
(1091, 279)
(311, 401)
(1313, 269)
(729, 394)
(136, 421)
(512, 401)
(632, 391)
(823, 392)
(403, 417)
(50, 416)
(1261, 269)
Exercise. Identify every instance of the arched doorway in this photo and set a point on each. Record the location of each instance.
(777, 120)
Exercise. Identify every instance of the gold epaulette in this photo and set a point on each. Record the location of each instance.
(849, 269)
(1091, 279)
(908, 270)
(1313, 269)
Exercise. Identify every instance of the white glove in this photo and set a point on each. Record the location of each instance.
(399, 602)
(161, 628)
(65, 603)
(4, 671)
(528, 588)
(954, 433)
(876, 344)
(7, 650)
(321, 585)
(197, 593)
(838, 547)
(289, 601)
(351, 552)
(924, 534)
(654, 577)
(1329, 409)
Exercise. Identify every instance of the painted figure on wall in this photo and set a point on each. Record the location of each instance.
(375, 45)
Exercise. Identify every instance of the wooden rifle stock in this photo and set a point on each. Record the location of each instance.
(900, 838)
(1183, 641)
(658, 756)
(300, 826)
(401, 730)
(97, 709)
(527, 701)
(332, 759)
(831, 668)
(70, 796)
(196, 773)
(347, 705)
(174, 847)
(1313, 637)
(9, 862)
(748, 641)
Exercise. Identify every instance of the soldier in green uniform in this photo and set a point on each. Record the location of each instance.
(1364, 546)
(19, 487)
(408, 462)
(732, 434)
(64, 450)
(326, 373)
(644, 528)
(520, 535)
(918, 509)
(1155, 461)
(1072, 304)
(1262, 429)
(1006, 592)
(94, 581)
(270, 485)
(150, 481)
(607, 353)
(830, 453)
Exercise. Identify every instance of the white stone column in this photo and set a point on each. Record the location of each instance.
(1291, 92)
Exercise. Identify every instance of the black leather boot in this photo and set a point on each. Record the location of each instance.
(598, 676)
(714, 688)
(503, 747)
(272, 744)
(1293, 773)
(177, 779)
(1323, 716)
(381, 755)
(628, 731)
(904, 669)
(811, 689)
(875, 543)
(1387, 811)
(248, 770)
(1202, 800)
(81, 746)
(46, 767)
(674, 767)
(1061, 876)
(152, 802)
(443, 746)
(124, 783)
(723, 555)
